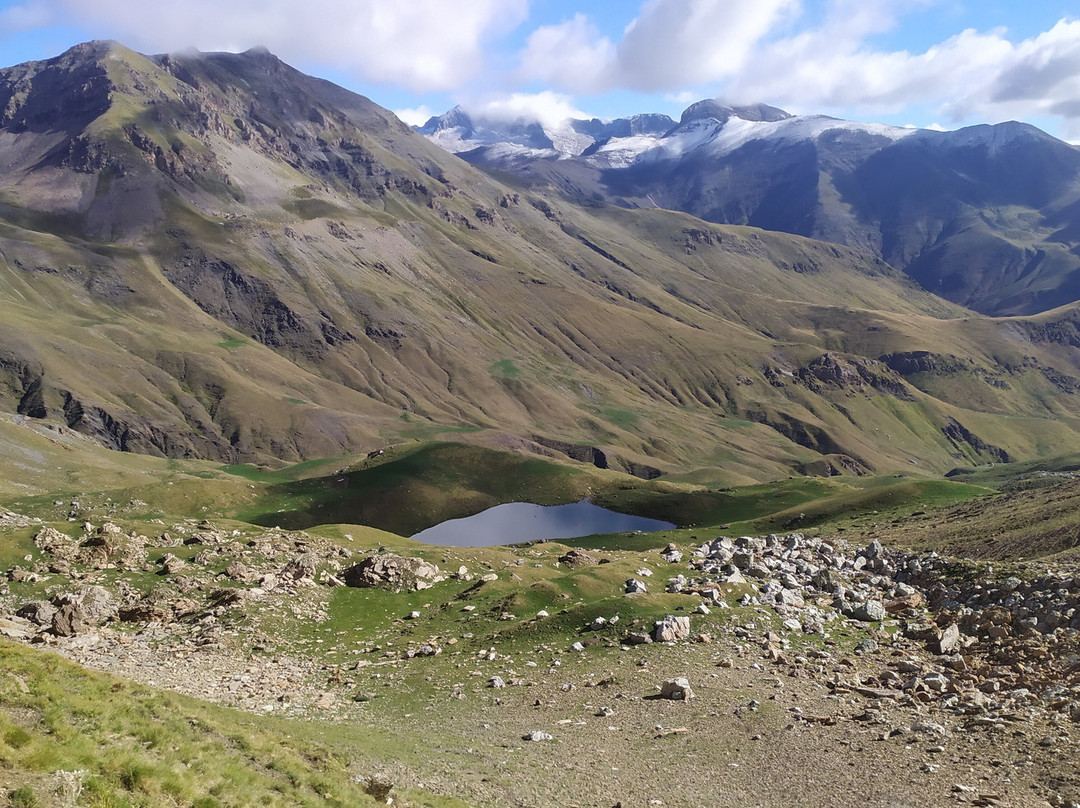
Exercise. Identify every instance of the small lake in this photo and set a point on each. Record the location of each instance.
(522, 521)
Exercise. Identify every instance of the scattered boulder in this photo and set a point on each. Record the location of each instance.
(56, 544)
(676, 690)
(161, 605)
(635, 587)
(948, 642)
(577, 558)
(671, 628)
(870, 611)
(38, 612)
(19, 575)
(241, 573)
(922, 632)
(672, 554)
(171, 565)
(301, 568)
(392, 571)
(17, 628)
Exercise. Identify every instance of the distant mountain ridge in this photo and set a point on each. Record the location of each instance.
(457, 131)
(986, 216)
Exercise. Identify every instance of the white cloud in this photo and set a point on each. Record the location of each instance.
(415, 116)
(25, 16)
(819, 68)
(571, 54)
(972, 76)
(547, 107)
(671, 44)
(422, 45)
(766, 50)
(678, 42)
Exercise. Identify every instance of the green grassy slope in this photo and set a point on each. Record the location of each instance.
(72, 737)
(214, 273)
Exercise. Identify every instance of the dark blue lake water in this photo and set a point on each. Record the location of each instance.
(522, 521)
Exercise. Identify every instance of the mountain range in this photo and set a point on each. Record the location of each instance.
(984, 216)
(214, 255)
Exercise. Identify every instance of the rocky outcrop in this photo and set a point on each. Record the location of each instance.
(252, 306)
(392, 571)
(599, 458)
(908, 363)
(82, 610)
(808, 435)
(853, 374)
(37, 96)
(960, 436)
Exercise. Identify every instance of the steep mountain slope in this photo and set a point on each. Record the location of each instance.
(985, 216)
(213, 255)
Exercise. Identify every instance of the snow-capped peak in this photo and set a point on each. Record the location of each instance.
(458, 131)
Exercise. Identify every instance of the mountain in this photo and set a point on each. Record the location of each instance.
(987, 216)
(458, 132)
(216, 256)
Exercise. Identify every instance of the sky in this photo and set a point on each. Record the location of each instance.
(926, 63)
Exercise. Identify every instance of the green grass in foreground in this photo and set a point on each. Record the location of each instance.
(69, 736)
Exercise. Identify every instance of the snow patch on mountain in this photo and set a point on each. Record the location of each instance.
(723, 137)
(706, 126)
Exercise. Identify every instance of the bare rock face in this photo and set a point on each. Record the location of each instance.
(393, 571)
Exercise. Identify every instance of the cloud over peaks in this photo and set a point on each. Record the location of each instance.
(422, 45)
(671, 44)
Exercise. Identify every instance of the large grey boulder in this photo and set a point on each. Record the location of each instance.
(676, 690)
(671, 628)
(870, 611)
(948, 642)
(392, 571)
